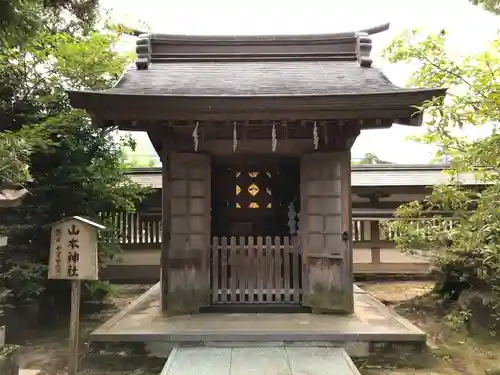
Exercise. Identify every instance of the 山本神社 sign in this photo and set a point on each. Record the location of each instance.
(73, 249)
(73, 256)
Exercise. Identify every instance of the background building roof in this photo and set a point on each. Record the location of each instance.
(362, 176)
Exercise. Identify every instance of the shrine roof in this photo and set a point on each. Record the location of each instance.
(370, 175)
(205, 76)
(247, 78)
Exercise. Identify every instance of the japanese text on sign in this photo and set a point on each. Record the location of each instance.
(58, 251)
(73, 251)
(73, 254)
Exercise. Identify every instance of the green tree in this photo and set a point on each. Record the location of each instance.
(139, 157)
(21, 19)
(490, 5)
(15, 149)
(80, 169)
(468, 253)
(370, 158)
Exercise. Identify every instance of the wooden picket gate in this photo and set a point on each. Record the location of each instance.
(256, 270)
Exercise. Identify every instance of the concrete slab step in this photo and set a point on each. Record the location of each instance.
(283, 360)
(29, 372)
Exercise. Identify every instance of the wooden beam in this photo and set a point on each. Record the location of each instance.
(254, 147)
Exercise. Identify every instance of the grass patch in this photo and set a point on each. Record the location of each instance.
(452, 350)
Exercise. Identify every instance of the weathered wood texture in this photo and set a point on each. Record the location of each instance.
(347, 277)
(323, 212)
(256, 270)
(187, 262)
(132, 231)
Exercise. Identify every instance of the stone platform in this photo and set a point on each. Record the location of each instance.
(372, 323)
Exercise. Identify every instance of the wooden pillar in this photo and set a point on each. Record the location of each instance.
(326, 231)
(375, 241)
(348, 274)
(165, 222)
(186, 250)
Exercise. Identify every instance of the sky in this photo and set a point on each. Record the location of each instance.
(468, 27)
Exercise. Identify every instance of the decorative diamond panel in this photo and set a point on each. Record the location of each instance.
(249, 190)
(253, 190)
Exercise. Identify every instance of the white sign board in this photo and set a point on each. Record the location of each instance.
(73, 250)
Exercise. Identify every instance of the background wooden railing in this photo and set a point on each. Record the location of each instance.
(373, 249)
(134, 232)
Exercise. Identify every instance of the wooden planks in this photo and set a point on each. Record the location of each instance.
(224, 268)
(214, 274)
(270, 260)
(255, 270)
(278, 274)
(266, 360)
(132, 231)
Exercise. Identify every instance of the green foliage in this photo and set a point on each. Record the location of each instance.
(467, 254)
(489, 5)
(473, 96)
(370, 158)
(22, 19)
(15, 149)
(75, 169)
(100, 290)
(134, 160)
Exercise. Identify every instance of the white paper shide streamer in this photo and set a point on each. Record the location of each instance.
(196, 138)
(235, 137)
(274, 143)
(315, 136)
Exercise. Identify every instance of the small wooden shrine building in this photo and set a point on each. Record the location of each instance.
(255, 133)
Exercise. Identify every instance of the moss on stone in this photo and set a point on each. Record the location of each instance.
(328, 299)
(186, 301)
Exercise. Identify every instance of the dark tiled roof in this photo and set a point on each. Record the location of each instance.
(361, 176)
(280, 78)
(186, 77)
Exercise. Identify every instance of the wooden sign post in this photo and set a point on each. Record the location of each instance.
(73, 256)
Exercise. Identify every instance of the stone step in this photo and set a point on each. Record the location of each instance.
(283, 360)
(29, 372)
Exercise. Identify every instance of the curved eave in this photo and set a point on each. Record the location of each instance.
(113, 106)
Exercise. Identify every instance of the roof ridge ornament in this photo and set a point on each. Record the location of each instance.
(364, 47)
(167, 48)
(143, 52)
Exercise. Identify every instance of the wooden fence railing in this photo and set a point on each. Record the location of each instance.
(255, 270)
(136, 233)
